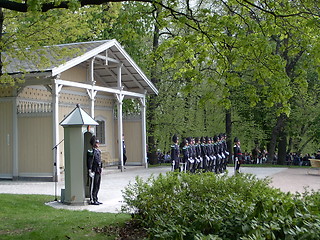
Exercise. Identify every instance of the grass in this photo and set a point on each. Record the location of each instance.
(27, 217)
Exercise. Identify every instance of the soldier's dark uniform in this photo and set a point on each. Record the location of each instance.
(185, 153)
(237, 154)
(211, 154)
(198, 154)
(204, 153)
(221, 153)
(94, 165)
(175, 153)
(225, 150)
(217, 155)
(189, 149)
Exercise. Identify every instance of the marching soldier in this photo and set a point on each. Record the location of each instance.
(208, 156)
(190, 162)
(192, 157)
(175, 153)
(237, 155)
(211, 155)
(204, 153)
(217, 155)
(225, 149)
(185, 154)
(198, 153)
(221, 152)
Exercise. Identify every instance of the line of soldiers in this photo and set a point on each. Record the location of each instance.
(205, 153)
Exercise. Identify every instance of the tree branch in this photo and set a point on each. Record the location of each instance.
(23, 6)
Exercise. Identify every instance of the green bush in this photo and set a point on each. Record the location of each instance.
(210, 206)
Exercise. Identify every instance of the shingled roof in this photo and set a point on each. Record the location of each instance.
(107, 55)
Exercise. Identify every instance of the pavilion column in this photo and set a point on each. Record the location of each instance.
(15, 140)
(144, 132)
(92, 93)
(120, 97)
(56, 88)
(120, 131)
(92, 97)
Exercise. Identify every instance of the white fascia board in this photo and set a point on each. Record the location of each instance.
(135, 66)
(132, 94)
(98, 88)
(82, 58)
(87, 86)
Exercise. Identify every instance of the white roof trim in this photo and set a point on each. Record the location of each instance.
(98, 88)
(57, 70)
(135, 66)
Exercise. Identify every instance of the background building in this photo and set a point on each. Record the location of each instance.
(98, 76)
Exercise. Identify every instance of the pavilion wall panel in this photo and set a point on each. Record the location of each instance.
(35, 145)
(132, 130)
(6, 166)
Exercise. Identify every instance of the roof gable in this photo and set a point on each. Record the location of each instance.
(107, 54)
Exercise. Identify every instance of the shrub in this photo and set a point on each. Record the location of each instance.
(210, 206)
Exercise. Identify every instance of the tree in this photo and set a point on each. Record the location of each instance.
(33, 30)
(214, 50)
(44, 6)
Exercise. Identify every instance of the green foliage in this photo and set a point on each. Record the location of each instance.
(252, 58)
(209, 206)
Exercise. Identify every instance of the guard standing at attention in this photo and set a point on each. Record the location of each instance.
(198, 153)
(175, 153)
(237, 155)
(204, 154)
(185, 155)
(94, 165)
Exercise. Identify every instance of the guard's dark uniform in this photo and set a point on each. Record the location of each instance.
(225, 150)
(198, 154)
(237, 154)
(185, 154)
(204, 154)
(191, 153)
(217, 154)
(95, 166)
(175, 153)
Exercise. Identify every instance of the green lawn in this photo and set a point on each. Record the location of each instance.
(27, 217)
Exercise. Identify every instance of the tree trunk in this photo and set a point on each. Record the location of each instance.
(274, 135)
(152, 147)
(289, 145)
(282, 148)
(229, 133)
